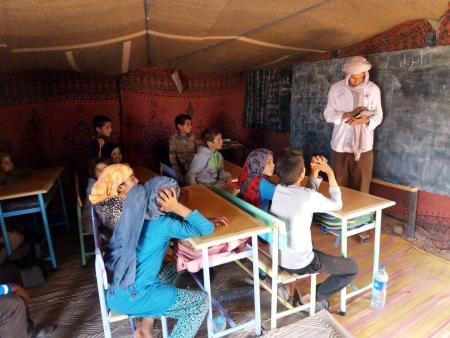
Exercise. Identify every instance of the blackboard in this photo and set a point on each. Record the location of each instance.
(412, 145)
(268, 99)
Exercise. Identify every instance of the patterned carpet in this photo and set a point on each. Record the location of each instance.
(418, 302)
(320, 325)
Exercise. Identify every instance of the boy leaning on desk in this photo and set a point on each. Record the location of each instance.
(295, 205)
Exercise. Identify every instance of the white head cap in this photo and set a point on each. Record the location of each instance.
(356, 65)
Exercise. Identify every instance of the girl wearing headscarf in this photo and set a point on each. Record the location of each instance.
(149, 216)
(255, 188)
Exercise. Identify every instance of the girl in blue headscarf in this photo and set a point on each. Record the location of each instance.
(151, 215)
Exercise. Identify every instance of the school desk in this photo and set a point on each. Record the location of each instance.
(42, 185)
(356, 203)
(242, 225)
(233, 169)
(143, 174)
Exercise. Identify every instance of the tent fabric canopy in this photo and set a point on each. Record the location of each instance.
(115, 36)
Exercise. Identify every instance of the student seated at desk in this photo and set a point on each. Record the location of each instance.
(255, 188)
(111, 151)
(8, 174)
(296, 205)
(148, 217)
(95, 170)
(182, 146)
(207, 166)
(103, 130)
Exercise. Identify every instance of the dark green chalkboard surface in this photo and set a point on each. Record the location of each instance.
(412, 145)
(268, 99)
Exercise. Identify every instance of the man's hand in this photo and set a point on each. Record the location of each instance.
(362, 120)
(18, 290)
(348, 116)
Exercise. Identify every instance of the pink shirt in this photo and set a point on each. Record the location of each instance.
(340, 101)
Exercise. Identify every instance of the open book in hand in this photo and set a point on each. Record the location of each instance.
(364, 113)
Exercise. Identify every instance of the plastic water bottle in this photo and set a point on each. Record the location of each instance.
(379, 288)
(219, 323)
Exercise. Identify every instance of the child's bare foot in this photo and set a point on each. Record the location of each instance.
(141, 333)
(145, 330)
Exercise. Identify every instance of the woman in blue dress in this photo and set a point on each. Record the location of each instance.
(147, 217)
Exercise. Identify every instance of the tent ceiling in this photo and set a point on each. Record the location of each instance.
(110, 36)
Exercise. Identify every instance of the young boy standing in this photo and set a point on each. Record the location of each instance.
(296, 205)
(182, 146)
(207, 166)
(103, 129)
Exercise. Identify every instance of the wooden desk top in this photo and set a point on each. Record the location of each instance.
(233, 169)
(39, 182)
(143, 174)
(212, 205)
(231, 145)
(354, 201)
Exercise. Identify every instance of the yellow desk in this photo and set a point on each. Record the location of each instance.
(242, 225)
(40, 182)
(233, 169)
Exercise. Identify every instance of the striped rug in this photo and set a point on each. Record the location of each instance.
(418, 302)
(418, 298)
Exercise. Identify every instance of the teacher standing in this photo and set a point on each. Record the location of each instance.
(354, 106)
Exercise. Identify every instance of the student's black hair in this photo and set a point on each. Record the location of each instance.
(209, 134)
(93, 163)
(99, 121)
(181, 119)
(290, 166)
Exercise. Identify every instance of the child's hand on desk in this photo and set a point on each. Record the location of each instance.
(219, 221)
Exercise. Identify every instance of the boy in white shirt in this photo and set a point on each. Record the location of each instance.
(296, 205)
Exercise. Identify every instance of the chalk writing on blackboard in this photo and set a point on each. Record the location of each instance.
(267, 100)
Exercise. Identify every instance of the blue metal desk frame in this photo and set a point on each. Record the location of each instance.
(42, 206)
